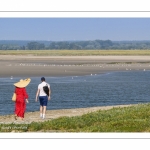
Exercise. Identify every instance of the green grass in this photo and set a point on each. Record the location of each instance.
(74, 52)
(128, 119)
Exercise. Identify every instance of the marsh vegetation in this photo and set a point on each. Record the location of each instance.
(75, 52)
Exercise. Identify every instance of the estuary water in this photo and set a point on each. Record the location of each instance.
(114, 88)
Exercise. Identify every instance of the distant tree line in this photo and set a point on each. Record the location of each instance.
(78, 45)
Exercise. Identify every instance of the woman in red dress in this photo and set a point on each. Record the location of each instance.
(21, 98)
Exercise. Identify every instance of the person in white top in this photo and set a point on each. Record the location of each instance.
(43, 97)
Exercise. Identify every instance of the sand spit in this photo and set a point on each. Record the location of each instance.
(37, 66)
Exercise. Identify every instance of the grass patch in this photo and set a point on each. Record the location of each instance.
(74, 52)
(127, 119)
(144, 62)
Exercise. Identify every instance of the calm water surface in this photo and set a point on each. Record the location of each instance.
(116, 88)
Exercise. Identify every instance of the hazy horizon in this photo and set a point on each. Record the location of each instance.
(75, 29)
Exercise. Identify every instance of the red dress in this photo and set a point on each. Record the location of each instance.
(20, 105)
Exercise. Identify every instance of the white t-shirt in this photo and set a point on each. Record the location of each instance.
(40, 87)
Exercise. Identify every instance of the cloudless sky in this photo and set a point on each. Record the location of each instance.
(62, 29)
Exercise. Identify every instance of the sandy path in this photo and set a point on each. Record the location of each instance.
(53, 114)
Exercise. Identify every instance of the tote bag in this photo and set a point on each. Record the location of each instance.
(14, 97)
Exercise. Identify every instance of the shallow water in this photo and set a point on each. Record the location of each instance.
(115, 88)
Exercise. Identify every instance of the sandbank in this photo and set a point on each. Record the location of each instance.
(37, 66)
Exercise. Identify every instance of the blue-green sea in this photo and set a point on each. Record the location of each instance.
(114, 88)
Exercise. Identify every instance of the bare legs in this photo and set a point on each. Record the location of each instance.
(42, 111)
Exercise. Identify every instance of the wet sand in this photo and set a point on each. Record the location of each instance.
(36, 66)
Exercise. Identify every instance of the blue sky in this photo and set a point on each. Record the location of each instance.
(62, 29)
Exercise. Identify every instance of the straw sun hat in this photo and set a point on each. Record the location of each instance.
(23, 83)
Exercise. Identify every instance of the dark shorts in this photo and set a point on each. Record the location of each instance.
(43, 100)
